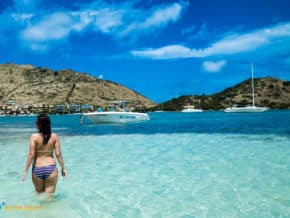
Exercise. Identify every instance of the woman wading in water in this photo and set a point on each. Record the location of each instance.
(41, 148)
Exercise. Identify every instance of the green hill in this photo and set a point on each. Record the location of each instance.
(270, 92)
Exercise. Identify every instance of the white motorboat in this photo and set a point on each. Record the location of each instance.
(119, 115)
(191, 109)
(247, 109)
(116, 117)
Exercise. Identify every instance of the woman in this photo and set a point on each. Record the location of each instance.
(41, 147)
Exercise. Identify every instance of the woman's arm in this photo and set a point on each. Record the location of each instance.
(30, 157)
(59, 156)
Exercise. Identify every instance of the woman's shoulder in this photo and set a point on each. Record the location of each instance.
(35, 135)
(54, 135)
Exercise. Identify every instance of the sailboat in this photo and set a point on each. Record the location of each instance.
(247, 109)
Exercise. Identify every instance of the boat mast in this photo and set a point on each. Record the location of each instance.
(253, 89)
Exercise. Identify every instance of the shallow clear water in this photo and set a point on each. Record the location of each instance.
(208, 164)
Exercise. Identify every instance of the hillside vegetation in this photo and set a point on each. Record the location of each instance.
(30, 85)
(26, 84)
(270, 92)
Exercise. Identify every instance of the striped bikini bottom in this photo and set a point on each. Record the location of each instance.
(44, 171)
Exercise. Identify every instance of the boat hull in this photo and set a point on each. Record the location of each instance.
(192, 110)
(250, 109)
(116, 117)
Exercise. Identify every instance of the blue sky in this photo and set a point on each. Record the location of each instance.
(161, 49)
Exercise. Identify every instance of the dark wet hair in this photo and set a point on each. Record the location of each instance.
(43, 123)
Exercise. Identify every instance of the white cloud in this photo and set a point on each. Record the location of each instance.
(22, 17)
(80, 20)
(233, 44)
(107, 20)
(213, 66)
(53, 27)
(59, 25)
(167, 52)
(163, 16)
(157, 18)
(101, 76)
(119, 22)
(41, 47)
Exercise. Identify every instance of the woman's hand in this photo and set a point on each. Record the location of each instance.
(24, 175)
(63, 172)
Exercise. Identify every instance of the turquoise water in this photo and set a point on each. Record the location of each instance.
(210, 164)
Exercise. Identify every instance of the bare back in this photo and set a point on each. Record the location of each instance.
(44, 152)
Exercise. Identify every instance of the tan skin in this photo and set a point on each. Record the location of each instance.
(44, 157)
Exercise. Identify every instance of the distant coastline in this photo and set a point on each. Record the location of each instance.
(269, 92)
(25, 89)
(28, 89)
